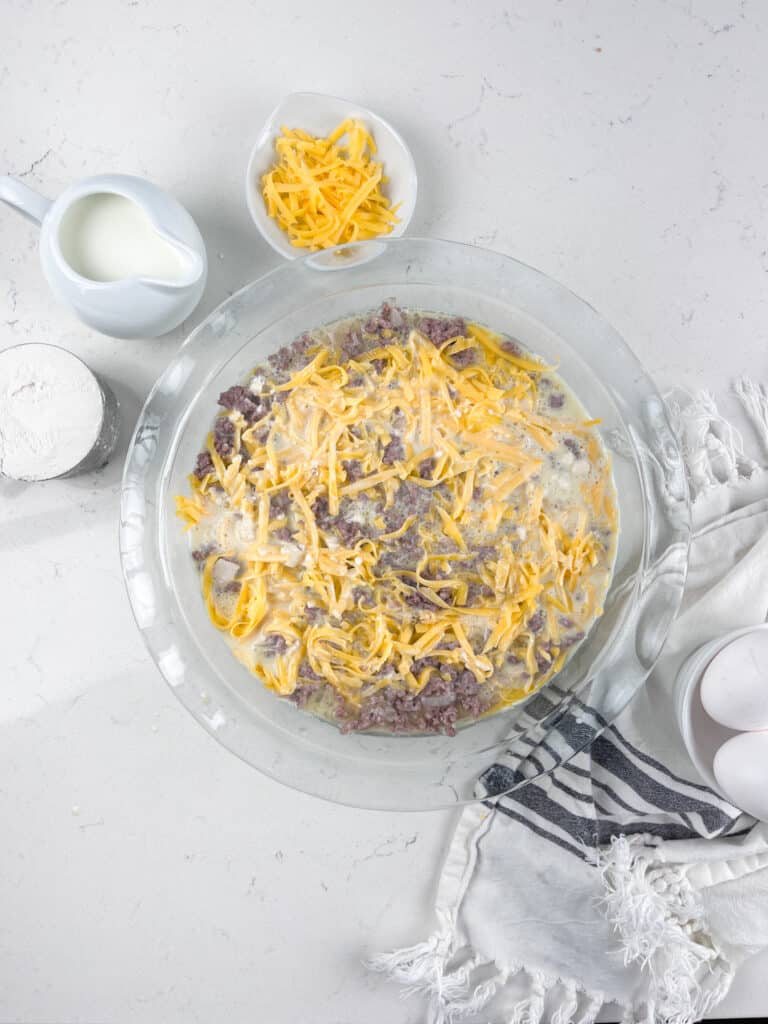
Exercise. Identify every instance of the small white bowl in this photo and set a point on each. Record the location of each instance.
(319, 115)
(702, 735)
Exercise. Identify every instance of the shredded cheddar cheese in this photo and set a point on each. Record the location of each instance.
(326, 191)
(393, 520)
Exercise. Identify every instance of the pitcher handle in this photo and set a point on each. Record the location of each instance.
(23, 198)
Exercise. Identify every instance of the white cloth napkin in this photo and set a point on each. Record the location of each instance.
(618, 878)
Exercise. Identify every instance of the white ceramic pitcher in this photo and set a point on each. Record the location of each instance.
(130, 307)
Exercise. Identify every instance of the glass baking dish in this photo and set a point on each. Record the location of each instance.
(400, 771)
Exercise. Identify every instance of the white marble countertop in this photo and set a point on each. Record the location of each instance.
(146, 874)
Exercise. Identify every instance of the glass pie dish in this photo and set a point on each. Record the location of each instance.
(492, 755)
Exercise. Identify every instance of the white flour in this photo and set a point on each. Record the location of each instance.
(51, 411)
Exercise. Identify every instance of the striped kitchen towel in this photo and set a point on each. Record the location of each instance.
(619, 878)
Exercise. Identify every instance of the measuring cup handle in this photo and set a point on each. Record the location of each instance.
(23, 198)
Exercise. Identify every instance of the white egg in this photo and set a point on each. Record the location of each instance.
(734, 687)
(741, 770)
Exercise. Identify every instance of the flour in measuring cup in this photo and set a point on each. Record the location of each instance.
(51, 412)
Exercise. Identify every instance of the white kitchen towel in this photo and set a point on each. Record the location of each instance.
(619, 877)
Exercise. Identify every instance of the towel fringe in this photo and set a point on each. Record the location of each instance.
(454, 997)
(712, 448)
(531, 1009)
(591, 1010)
(659, 918)
(566, 1011)
(628, 1017)
(418, 968)
(754, 398)
(422, 968)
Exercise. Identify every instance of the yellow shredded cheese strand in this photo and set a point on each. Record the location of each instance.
(400, 531)
(324, 191)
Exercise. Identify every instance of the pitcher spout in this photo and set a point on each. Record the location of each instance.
(192, 268)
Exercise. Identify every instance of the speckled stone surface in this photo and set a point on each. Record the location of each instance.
(145, 874)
